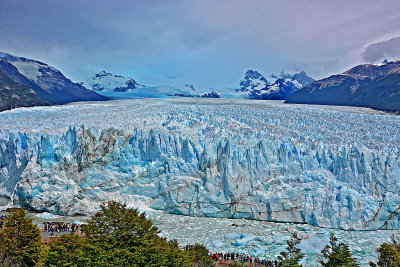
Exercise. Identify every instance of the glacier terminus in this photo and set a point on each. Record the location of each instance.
(335, 167)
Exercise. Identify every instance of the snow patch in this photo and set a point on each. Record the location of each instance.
(30, 69)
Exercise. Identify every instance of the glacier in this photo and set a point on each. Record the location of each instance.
(335, 167)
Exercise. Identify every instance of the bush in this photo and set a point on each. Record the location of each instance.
(292, 255)
(20, 241)
(199, 256)
(117, 236)
(337, 254)
(388, 254)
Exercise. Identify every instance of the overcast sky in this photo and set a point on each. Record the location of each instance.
(209, 43)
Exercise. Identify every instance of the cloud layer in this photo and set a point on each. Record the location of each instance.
(389, 49)
(208, 43)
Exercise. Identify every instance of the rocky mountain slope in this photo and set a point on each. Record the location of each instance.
(48, 82)
(14, 94)
(374, 86)
(274, 87)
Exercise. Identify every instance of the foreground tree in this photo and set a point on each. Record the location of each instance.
(20, 242)
(117, 236)
(235, 264)
(199, 256)
(388, 254)
(68, 250)
(292, 255)
(337, 254)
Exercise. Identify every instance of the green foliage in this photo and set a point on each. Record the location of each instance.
(116, 226)
(292, 255)
(68, 250)
(337, 254)
(117, 236)
(388, 254)
(20, 242)
(235, 264)
(199, 256)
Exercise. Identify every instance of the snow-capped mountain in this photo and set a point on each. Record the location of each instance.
(117, 86)
(47, 82)
(275, 87)
(253, 80)
(106, 81)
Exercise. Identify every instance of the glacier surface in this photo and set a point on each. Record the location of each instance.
(336, 167)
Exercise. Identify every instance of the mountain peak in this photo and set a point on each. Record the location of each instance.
(253, 80)
(252, 72)
(106, 81)
(102, 73)
(302, 78)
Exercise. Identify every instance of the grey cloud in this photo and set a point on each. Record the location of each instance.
(207, 42)
(386, 49)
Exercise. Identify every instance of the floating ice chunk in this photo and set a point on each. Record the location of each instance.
(148, 212)
(218, 243)
(247, 237)
(237, 244)
(232, 236)
(244, 239)
(258, 251)
(78, 222)
(314, 245)
(46, 215)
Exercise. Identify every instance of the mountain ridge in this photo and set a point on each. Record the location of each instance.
(275, 87)
(48, 82)
(367, 85)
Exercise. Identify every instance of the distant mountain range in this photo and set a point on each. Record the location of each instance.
(367, 85)
(274, 87)
(118, 86)
(253, 86)
(27, 82)
(48, 83)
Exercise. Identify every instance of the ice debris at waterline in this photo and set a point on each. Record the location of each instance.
(46, 215)
(267, 239)
(321, 166)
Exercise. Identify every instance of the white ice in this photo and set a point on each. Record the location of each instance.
(325, 166)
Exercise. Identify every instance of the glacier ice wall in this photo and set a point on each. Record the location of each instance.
(275, 179)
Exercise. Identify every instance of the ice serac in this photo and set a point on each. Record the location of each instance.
(346, 187)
